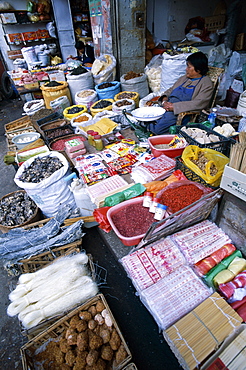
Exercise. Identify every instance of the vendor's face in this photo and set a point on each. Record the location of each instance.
(191, 72)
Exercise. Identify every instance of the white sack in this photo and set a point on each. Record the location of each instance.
(172, 68)
(79, 82)
(51, 192)
(137, 84)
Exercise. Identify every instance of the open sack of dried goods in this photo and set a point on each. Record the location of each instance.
(42, 177)
(52, 290)
(17, 209)
(86, 338)
(206, 163)
(34, 241)
(79, 79)
(104, 69)
(136, 82)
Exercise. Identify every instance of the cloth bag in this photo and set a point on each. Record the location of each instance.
(78, 83)
(172, 67)
(49, 193)
(137, 84)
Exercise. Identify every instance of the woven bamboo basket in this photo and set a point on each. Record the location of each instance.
(18, 123)
(58, 329)
(35, 217)
(11, 134)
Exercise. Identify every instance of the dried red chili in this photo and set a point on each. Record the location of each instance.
(133, 220)
(180, 197)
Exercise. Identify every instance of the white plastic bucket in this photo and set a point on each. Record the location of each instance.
(241, 105)
(44, 58)
(59, 104)
(29, 54)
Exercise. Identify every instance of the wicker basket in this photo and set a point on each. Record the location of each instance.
(12, 134)
(41, 260)
(57, 329)
(36, 216)
(17, 124)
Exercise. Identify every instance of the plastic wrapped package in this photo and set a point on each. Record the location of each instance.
(200, 241)
(229, 288)
(204, 266)
(157, 169)
(153, 72)
(174, 296)
(148, 265)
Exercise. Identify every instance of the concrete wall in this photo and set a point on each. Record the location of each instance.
(167, 19)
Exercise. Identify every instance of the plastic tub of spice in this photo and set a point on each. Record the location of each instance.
(130, 220)
(160, 145)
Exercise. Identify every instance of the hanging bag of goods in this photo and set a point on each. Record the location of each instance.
(206, 163)
(104, 69)
(136, 82)
(79, 79)
(107, 90)
(54, 89)
(42, 177)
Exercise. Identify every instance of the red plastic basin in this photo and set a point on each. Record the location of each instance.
(128, 241)
(164, 139)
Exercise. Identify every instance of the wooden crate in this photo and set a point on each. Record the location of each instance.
(12, 134)
(18, 123)
(58, 329)
(215, 22)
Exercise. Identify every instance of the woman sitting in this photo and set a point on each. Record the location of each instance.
(190, 92)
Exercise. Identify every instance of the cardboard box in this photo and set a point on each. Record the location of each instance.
(234, 182)
(240, 42)
(195, 337)
(8, 18)
(57, 76)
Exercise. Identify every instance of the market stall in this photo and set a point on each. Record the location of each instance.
(96, 163)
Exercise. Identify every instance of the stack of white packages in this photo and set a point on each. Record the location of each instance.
(199, 241)
(102, 189)
(157, 169)
(148, 265)
(174, 296)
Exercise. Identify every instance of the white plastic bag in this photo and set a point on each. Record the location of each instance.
(51, 192)
(137, 84)
(128, 108)
(104, 69)
(153, 72)
(81, 98)
(33, 106)
(173, 67)
(142, 102)
(79, 82)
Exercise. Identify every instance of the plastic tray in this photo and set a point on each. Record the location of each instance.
(223, 146)
(62, 128)
(49, 118)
